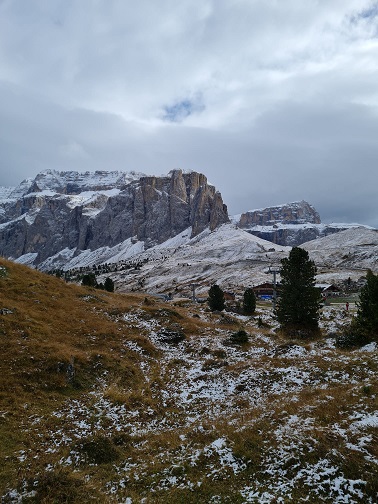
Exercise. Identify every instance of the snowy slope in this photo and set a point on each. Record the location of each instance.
(68, 259)
(352, 248)
(228, 256)
(226, 243)
(354, 237)
(235, 259)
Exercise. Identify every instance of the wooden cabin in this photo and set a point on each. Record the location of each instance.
(328, 290)
(264, 289)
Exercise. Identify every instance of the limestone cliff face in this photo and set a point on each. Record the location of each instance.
(290, 225)
(157, 208)
(62, 210)
(291, 237)
(292, 213)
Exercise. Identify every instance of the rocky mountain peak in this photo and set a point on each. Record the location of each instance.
(299, 212)
(59, 211)
(291, 224)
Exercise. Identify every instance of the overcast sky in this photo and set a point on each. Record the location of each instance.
(273, 100)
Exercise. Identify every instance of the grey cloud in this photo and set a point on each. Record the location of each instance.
(273, 102)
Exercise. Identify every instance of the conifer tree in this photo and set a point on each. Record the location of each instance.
(89, 280)
(367, 313)
(298, 304)
(109, 285)
(249, 302)
(364, 327)
(216, 298)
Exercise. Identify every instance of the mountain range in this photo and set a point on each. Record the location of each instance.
(60, 211)
(176, 228)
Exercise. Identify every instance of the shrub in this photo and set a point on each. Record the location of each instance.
(210, 364)
(355, 335)
(299, 331)
(61, 486)
(239, 337)
(98, 450)
(170, 336)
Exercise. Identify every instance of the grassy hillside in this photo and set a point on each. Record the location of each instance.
(115, 398)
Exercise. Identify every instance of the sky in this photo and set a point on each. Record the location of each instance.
(273, 100)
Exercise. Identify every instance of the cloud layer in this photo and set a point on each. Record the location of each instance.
(273, 101)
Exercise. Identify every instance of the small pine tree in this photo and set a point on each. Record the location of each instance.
(109, 285)
(240, 336)
(216, 298)
(249, 302)
(89, 280)
(298, 304)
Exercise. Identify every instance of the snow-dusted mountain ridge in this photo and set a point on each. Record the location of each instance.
(70, 219)
(298, 212)
(290, 224)
(66, 210)
(71, 182)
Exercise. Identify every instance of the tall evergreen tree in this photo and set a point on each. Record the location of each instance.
(364, 327)
(367, 313)
(216, 298)
(249, 301)
(298, 304)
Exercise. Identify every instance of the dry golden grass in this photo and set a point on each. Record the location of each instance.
(47, 325)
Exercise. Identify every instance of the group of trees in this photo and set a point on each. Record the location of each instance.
(299, 302)
(90, 281)
(217, 302)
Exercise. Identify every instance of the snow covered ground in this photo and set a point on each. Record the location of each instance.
(352, 248)
(228, 256)
(235, 259)
(267, 418)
